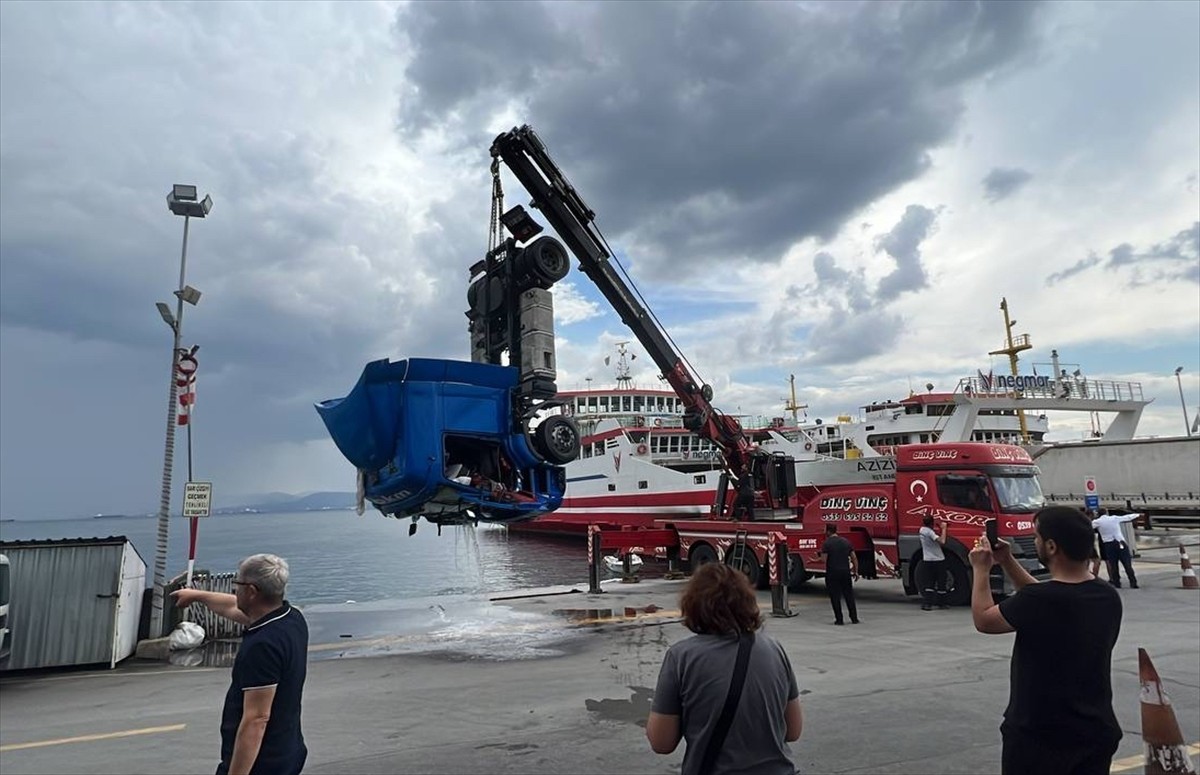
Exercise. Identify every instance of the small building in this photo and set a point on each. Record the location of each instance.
(74, 601)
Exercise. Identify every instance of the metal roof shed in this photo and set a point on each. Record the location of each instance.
(75, 601)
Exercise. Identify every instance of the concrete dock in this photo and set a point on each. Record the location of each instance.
(561, 682)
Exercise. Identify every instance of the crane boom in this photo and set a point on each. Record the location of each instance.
(558, 201)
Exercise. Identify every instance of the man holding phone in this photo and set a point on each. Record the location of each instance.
(933, 565)
(1059, 718)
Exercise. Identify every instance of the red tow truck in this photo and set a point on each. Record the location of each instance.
(766, 499)
(879, 505)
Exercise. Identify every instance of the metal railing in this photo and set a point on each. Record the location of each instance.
(215, 627)
(1049, 387)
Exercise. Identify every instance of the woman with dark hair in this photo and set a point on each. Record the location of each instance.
(729, 690)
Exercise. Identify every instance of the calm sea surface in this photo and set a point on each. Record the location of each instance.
(336, 556)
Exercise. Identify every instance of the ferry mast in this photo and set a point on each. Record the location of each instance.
(1015, 346)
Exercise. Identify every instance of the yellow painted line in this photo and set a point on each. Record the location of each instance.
(1139, 761)
(89, 738)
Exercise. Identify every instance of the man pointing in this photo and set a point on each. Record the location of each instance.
(260, 725)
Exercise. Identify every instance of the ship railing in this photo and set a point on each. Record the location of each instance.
(1049, 387)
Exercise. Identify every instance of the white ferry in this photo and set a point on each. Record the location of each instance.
(639, 464)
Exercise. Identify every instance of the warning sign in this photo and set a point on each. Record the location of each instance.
(197, 499)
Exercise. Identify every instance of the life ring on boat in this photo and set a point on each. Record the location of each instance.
(641, 449)
(658, 422)
(808, 446)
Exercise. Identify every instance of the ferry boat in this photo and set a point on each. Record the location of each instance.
(638, 463)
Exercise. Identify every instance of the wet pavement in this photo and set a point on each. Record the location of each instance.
(556, 681)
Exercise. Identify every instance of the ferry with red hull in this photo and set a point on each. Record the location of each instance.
(639, 464)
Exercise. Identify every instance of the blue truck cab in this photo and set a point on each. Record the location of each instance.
(443, 439)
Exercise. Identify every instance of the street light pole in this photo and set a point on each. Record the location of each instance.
(1183, 404)
(181, 201)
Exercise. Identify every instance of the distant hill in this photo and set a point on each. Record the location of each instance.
(276, 503)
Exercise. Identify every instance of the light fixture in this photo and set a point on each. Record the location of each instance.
(165, 311)
(188, 294)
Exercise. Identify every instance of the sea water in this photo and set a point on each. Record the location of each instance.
(338, 556)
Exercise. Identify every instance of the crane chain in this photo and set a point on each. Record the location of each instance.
(495, 235)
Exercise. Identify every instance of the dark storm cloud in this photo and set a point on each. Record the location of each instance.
(306, 274)
(711, 131)
(1002, 183)
(1175, 258)
(903, 244)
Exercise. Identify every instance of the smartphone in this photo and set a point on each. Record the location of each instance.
(993, 539)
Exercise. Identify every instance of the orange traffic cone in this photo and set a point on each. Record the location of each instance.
(1166, 751)
(1189, 575)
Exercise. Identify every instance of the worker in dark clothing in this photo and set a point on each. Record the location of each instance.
(841, 569)
(743, 504)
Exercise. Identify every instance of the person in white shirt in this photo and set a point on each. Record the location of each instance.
(1113, 547)
(933, 564)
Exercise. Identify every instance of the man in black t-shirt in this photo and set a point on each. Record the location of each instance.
(841, 568)
(1059, 718)
(260, 724)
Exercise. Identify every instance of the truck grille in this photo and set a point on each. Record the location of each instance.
(1023, 546)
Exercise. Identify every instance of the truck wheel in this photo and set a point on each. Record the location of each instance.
(747, 563)
(544, 260)
(701, 555)
(958, 581)
(796, 574)
(557, 439)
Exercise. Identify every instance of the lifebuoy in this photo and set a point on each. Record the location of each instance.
(808, 446)
(641, 449)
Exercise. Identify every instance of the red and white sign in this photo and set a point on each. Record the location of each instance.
(1089, 484)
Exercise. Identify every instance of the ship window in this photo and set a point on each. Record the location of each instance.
(643, 485)
(674, 443)
(700, 479)
(612, 488)
(603, 403)
(625, 404)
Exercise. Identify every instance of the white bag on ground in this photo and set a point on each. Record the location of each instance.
(187, 635)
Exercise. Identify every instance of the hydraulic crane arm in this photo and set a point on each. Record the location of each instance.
(572, 219)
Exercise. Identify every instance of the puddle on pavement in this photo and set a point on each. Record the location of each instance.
(217, 653)
(634, 710)
(599, 615)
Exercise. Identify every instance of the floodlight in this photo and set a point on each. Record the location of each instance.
(186, 193)
(189, 294)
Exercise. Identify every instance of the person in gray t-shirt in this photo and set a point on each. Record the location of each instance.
(720, 608)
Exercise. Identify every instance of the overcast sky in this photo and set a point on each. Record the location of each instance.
(840, 191)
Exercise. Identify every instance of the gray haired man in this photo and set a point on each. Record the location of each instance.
(260, 724)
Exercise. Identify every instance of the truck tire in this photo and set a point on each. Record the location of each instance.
(796, 574)
(747, 563)
(958, 585)
(701, 554)
(557, 439)
(958, 580)
(544, 261)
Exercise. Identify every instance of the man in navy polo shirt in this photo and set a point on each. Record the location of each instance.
(260, 725)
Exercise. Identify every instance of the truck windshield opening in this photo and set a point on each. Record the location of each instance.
(1018, 493)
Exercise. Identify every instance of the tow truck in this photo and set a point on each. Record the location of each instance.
(400, 429)
(765, 502)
